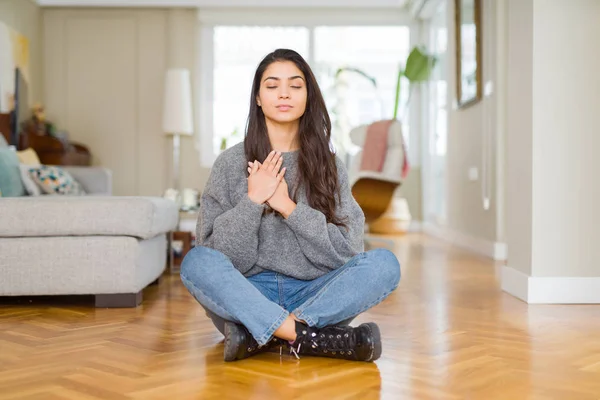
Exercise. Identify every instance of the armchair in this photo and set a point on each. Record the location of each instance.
(374, 182)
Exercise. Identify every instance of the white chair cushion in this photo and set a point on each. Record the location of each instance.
(394, 158)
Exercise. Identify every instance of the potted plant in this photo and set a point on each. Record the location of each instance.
(417, 69)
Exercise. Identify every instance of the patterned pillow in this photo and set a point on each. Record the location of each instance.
(55, 180)
(31, 187)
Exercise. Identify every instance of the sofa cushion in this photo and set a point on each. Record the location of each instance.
(54, 215)
(10, 174)
(28, 157)
(79, 265)
(94, 180)
(31, 187)
(55, 180)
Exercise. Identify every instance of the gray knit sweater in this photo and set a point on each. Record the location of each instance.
(304, 246)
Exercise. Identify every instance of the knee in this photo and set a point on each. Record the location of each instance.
(197, 262)
(388, 266)
(192, 263)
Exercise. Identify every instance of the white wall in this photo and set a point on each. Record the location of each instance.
(466, 214)
(412, 187)
(104, 72)
(553, 189)
(566, 121)
(519, 138)
(411, 190)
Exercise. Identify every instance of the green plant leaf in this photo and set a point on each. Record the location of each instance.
(397, 99)
(418, 68)
(419, 65)
(357, 71)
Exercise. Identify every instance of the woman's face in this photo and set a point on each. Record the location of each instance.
(282, 94)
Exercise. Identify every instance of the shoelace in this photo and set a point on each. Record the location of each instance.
(332, 343)
(341, 342)
(295, 352)
(292, 350)
(338, 342)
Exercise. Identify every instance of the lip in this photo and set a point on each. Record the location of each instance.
(284, 107)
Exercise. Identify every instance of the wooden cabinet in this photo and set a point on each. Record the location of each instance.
(5, 128)
(54, 151)
(180, 244)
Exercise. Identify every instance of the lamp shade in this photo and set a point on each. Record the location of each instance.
(177, 108)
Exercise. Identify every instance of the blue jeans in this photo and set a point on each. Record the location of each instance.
(263, 301)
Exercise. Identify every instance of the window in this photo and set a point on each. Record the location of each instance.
(237, 52)
(352, 99)
(230, 54)
(438, 91)
(435, 136)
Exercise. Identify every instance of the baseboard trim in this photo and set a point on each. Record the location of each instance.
(515, 282)
(551, 289)
(500, 251)
(494, 250)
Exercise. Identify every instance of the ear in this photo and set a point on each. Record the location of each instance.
(257, 101)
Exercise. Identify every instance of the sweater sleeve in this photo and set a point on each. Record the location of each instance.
(232, 230)
(325, 244)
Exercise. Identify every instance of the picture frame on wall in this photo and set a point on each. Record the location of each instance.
(468, 52)
(14, 81)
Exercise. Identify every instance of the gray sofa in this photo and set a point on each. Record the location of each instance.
(108, 246)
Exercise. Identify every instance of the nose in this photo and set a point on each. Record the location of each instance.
(284, 94)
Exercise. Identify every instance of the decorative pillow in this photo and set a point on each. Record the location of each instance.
(55, 180)
(31, 187)
(28, 157)
(10, 175)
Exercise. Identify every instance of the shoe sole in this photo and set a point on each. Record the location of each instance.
(232, 343)
(376, 341)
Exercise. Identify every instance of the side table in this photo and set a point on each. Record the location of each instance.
(182, 240)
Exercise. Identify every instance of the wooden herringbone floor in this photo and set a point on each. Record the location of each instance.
(449, 333)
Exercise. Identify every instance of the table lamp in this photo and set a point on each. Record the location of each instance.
(177, 113)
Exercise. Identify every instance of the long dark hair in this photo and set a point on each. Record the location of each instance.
(317, 169)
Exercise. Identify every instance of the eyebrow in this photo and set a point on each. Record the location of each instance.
(278, 79)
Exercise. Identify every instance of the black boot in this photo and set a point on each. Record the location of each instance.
(362, 343)
(240, 344)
